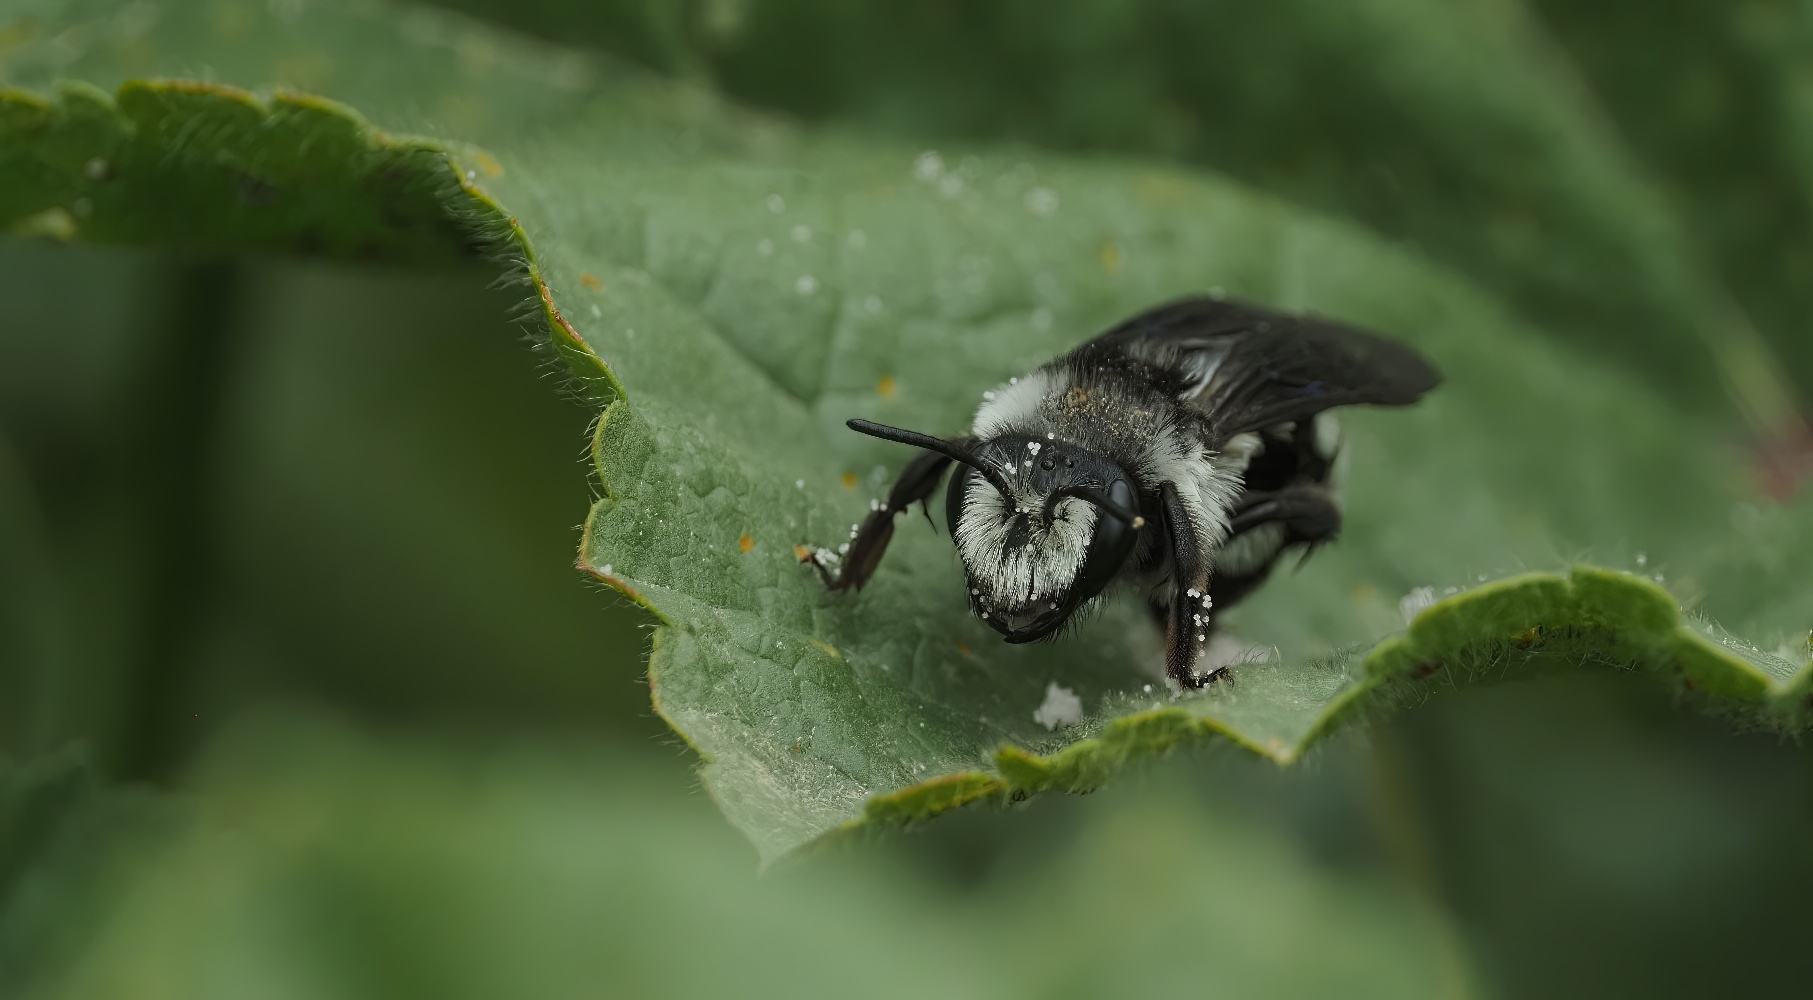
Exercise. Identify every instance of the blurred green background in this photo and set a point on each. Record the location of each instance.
(267, 734)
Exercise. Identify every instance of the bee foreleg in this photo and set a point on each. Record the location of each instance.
(1186, 627)
(917, 482)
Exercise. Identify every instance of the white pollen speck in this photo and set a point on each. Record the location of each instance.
(806, 284)
(777, 644)
(990, 394)
(1642, 560)
(872, 303)
(843, 549)
(928, 166)
(1061, 708)
(973, 591)
(1147, 689)
(802, 233)
(777, 204)
(799, 484)
(857, 239)
(765, 247)
(1041, 318)
(1193, 592)
(950, 185)
(606, 568)
(1014, 381)
(1051, 436)
(874, 504)
(1041, 201)
(1033, 446)
(1414, 603)
(985, 614)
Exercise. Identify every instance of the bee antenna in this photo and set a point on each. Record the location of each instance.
(949, 449)
(1092, 495)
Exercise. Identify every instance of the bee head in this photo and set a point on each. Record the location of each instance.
(1041, 525)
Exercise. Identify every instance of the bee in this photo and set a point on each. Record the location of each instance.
(1181, 454)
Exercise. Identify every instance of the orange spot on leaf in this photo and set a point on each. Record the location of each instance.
(745, 543)
(849, 480)
(961, 648)
(591, 282)
(802, 553)
(487, 164)
(1111, 257)
(887, 388)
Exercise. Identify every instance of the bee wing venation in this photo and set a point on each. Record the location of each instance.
(1250, 367)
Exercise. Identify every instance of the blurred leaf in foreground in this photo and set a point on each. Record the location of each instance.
(324, 864)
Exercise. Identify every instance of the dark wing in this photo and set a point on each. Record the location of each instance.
(1250, 367)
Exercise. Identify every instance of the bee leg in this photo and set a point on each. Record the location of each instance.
(1310, 518)
(1309, 514)
(1186, 627)
(917, 482)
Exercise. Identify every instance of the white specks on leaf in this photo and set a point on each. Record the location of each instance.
(1061, 707)
(777, 204)
(928, 166)
(1042, 201)
(1415, 602)
(806, 284)
(801, 233)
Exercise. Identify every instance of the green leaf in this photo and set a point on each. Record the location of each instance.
(734, 290)
(1452, 125)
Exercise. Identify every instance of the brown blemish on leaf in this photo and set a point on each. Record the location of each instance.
(590, 282)
(1529, 638)
(849, 480)
(745, 543)
(887, 388)
(802, 553)
(961, 648)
